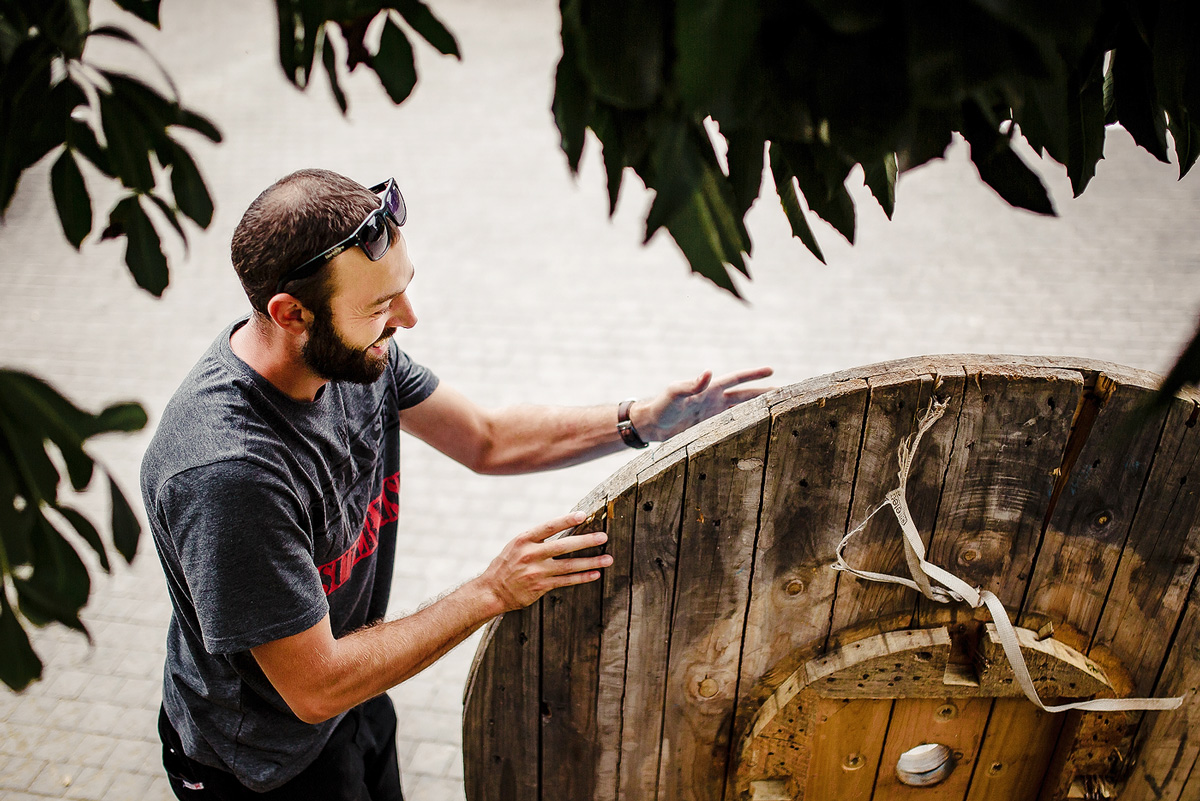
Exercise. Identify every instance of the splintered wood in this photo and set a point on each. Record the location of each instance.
(721, 659)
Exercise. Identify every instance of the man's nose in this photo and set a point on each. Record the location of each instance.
(403, 315)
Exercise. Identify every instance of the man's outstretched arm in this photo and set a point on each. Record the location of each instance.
(320, 676)
(521, 439)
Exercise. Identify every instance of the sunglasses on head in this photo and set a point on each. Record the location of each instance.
(373, 235)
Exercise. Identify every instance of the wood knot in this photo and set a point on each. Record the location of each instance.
(794, 587)
(707, 688)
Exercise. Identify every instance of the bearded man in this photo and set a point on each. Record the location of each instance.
(272, 484)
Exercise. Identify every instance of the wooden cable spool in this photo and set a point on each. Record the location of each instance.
(721, 658)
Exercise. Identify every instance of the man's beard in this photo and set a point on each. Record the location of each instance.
(332, 359)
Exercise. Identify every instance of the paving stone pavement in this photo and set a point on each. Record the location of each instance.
(526, 292)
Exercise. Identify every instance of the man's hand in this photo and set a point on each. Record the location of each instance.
(529, 566)
(686, 403)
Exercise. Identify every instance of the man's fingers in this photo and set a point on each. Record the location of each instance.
(693, 387)
(735, 396)
(575, 542)
(566, 567)
(742, 376)
(551, 527)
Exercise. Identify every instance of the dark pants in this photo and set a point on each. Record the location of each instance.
(357, 764)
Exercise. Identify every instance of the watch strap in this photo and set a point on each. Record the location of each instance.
(629, 434)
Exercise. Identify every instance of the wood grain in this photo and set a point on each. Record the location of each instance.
(1011, 436)
(1016, 752)
(958, 724)
(1095, 508)
(659, 504)
(847, 748)
(720, 521)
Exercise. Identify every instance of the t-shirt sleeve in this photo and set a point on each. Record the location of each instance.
(240, 536)
(414, 382)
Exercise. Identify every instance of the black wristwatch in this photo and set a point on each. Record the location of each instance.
(625, 427)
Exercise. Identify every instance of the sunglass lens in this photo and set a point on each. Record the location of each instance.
(375, 238)
(393, 203)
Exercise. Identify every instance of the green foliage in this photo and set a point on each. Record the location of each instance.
(109, 126)
(42, 578)
(882, 84)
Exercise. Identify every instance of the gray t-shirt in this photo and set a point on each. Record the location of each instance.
(267, 513)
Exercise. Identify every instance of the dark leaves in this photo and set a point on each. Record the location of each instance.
(36, 529)
(394, 63)
(143, 249)
(71, 199)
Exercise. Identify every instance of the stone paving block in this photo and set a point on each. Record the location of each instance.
(20, 739)
(434, 759)
(89, 784)
(134, 756)
(18, 772)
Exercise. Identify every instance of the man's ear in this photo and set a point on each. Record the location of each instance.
(287, 312)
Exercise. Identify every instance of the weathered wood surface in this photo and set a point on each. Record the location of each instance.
(958, 724)
(1017, 748)
(613, 649)
(847, 748)
(897, 402)
(1110, 456)
(504, 695)
(1011, 436)
(571, 628)
(720, 520)
(1035, 485)
(806, 497)
(658, 512)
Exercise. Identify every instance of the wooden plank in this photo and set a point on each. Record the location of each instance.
(806, 497)
(1168, 749)
(722, 499)
(500, 719)
(571, 628)
(897, 402)
(659, 505)
(1095, 505)
(614, 631)
(958, 724)
(1011, 436)
(1017, 748)
(1159, 561)
(847, 749)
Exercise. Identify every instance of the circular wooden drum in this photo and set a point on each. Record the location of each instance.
(721, 658)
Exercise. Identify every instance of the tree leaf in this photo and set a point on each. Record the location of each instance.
(573, 102)
(82, 139)
(59, 585)
(330, 64)
(1085, 128)
(1134, 102)
(43, 410)
(200, 124)
(19, 666)
(714, 40)
(745, 159)
(431, 29)
(623, 50)
(143, 250)
(999, 165)
(125, 527)
(71, 198)
(128, 145)
(696, 236)
(394, 63)
(172, 216)
(786, 190)
(87, 532)
(1187, 142)
(191, 194)
(677, 170)
(25, 442)
(125, 417)
(143, 9)
(822, 180)
(880, 178)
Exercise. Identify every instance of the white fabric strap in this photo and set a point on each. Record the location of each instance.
(953, 589)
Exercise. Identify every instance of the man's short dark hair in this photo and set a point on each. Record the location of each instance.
(293, 220)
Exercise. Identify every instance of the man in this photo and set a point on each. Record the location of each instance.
(272, 489)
